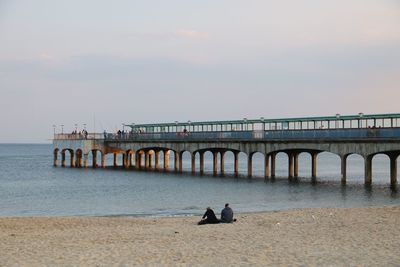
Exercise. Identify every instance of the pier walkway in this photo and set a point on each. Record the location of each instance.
(149, 146)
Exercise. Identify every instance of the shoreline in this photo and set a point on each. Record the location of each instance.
(365, 236)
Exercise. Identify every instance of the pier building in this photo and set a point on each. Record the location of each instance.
(144, 145)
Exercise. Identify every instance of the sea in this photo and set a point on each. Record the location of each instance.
(31, 186)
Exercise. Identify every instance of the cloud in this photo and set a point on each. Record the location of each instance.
(191, 34)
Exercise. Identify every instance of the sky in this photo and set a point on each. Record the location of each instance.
(105, 63)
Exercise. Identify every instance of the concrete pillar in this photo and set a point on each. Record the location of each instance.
(290, 165)
(86, 160)
(273, 165)
(146, 160)
(296, 164)
(138, 160)
(115, 160)
(55, 162)
(103, 160)
(236, 163)
(266, 167)
(72, 163)
(124, 160)
(215, 163)
(94, 158)
(368, 170)
(314, 165)
(150, 155)
(63, 163)
(393, 170)
(250, 165)
(193, 163)
(343, 167)
(132, 159)
(181, 162)
(201, 163)
(222, 153)
(157, 159)
(166, 160)
(176, 162)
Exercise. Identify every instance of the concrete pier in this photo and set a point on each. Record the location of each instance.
(140, 148)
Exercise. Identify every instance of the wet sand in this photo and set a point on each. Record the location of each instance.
(304, 237)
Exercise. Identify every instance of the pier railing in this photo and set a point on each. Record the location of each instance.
(79, 136)
(322, 134)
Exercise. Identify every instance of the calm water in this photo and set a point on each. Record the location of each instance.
(30, 186)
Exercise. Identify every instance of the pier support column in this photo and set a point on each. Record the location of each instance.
(368, 170)
(55, 162)
(290, 165)
(343, 167)
(393, 170)
(115, 160)
(250, 165)
(125, 160)
(176, 161)
(72, 163)
(314, 165)
(157, 159)
(296, 164)
(236, 163)
(146, 160)
(180, 162)
(273, 165)
(103, 159)
(215, 163)
(166, 160)
(132, 159)
(86, 160)
(193, 163)
(201, 163)
(266, 167)
(94, 159)
(63, 162)
(150, 156)
(138, 160)
(222, 153)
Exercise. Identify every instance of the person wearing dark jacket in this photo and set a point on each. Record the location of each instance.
(209, 217)
(227, 214)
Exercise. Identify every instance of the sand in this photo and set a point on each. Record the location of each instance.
(306, 237)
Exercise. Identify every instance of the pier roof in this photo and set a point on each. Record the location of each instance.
(280, 120)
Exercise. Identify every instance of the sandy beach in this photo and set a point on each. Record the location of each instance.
(307, 237)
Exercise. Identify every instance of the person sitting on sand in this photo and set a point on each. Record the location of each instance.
(209, 217)
(227, 214)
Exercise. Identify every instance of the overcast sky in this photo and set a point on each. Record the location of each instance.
(113, 62)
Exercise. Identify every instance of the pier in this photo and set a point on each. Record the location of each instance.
(144, 145)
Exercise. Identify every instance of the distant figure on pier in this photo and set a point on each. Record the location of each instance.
(209, 217)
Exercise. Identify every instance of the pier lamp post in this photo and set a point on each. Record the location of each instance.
(62, 128)
(337, 120)
(176, 125)
(190, 123)
(245, 123)
(263, 124)
(54, 130)
(361, 115)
